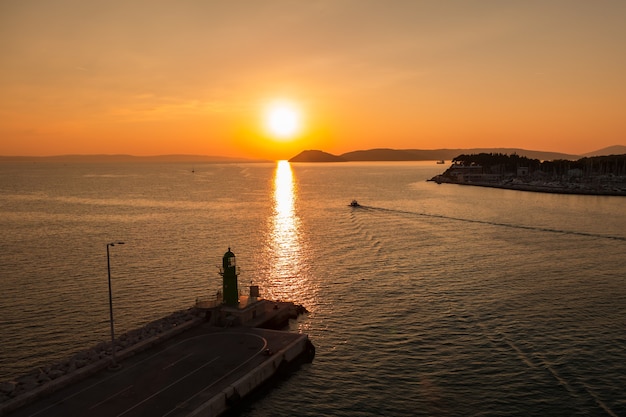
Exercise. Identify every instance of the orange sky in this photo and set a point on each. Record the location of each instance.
(193, 76)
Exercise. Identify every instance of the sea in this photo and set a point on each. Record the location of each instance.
(427, 300)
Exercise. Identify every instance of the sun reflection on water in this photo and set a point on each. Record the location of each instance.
(284, 198)
(285, 246)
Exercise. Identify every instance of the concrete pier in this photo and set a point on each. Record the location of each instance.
(200, 372)
(200, 367)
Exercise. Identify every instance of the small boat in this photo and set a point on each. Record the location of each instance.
(354, 203)
(441, 161)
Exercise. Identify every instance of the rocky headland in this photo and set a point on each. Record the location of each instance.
(600, 175)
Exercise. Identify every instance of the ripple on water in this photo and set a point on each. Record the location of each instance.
(431, 300)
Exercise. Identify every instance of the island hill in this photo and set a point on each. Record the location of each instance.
(383, 154)
(602, 172)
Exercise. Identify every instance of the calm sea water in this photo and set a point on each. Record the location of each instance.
(429, 300)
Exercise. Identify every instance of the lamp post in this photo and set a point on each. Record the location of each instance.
(114, 365)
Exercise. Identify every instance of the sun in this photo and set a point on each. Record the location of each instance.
(283, 120)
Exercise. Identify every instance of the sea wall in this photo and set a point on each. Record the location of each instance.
(553, 187)
(301, 350)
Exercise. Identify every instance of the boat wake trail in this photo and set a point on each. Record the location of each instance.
(491, 223)
(366, 236)
(575, 386)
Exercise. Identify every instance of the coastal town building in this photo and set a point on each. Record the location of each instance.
(595, 175)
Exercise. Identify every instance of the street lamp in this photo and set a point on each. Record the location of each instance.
(114, 365)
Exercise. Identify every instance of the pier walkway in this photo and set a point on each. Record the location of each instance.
(198, 372)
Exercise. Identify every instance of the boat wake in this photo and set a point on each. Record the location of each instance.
(491, 223)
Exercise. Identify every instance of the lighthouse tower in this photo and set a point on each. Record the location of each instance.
(229, 279)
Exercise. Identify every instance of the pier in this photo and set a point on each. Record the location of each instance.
(203, 367)
(201, 372)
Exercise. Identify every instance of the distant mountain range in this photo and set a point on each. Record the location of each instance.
(611, 150)
(381, 154)
(384, 154)
(126, 158)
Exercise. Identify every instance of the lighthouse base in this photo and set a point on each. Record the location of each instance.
(252, 312)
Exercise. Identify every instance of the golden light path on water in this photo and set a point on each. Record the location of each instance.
(285, 246)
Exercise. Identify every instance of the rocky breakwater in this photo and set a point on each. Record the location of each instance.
(47, 379)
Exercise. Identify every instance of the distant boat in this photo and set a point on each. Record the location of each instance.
(441, 161)
(354, 203)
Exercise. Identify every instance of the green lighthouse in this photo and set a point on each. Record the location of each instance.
(229, 279)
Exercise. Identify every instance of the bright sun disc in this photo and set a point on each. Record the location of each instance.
(283, 120)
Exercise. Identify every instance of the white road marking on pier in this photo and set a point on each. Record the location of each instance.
(124, 370)
(181, 359)
(168, 386)
(195, 412)
(114, 375)
(112, 396)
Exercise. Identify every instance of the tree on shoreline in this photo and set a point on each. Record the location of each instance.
(503, 164)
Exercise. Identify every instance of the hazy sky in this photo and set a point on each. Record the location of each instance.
(194, 76)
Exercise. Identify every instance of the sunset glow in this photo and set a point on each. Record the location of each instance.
(269, 79)
(285, 248)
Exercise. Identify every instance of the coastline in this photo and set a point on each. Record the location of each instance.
(616, 190)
